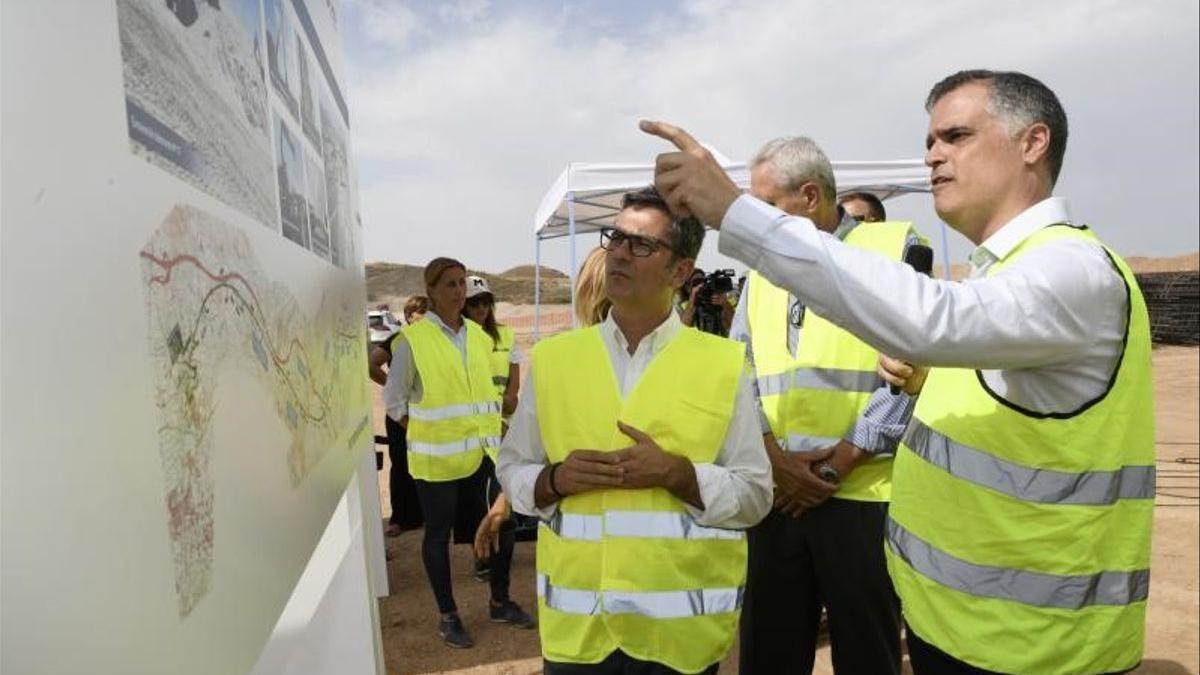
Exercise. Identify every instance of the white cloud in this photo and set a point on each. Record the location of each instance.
(461, 138)
(390, 23)
(464, 11)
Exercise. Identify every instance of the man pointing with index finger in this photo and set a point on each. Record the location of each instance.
(1018, 536)
(691, 180)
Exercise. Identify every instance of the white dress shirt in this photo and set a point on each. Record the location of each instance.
(736, 489)
(1047, 331)
(403, 381)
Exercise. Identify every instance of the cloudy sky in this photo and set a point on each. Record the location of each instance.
(464, 111)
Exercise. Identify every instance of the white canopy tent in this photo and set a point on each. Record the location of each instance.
(587, 197)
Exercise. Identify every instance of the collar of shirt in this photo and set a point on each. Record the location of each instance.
(433, 316)
(628, 368)
(654, 341)
(1046, 212)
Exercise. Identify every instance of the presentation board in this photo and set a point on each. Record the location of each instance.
(183, 353)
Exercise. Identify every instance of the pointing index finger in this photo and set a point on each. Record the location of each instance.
(670, 133)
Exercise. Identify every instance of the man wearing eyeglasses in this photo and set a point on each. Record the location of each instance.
(863, 207)
(638, 446)
(831, 427)
(1018, 537)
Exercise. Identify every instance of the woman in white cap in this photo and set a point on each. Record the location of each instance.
(481, 308)
(495, 536)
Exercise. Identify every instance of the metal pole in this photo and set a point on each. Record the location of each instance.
(945, 253)
(537, 285)
(571, 230)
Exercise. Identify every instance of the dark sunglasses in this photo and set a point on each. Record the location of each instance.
(612, 239)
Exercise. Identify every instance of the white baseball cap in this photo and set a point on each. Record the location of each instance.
(477, 286)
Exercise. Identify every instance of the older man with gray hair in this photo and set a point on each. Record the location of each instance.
(831, 426)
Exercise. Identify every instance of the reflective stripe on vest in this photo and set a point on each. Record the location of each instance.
(1007, 523)
(819, 378)
(653, 604)
(1047, 486)
(774, 385)
(834, 377)
(453, 447)
(655, 524)
(451, 411)
(631, 569)
(1030, 588)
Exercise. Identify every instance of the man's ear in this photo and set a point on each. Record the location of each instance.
(811, 194)
(682, 272)
(1035, 143)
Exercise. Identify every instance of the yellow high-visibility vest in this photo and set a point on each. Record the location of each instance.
(458, 417)
(1019, 541)
(814, 399)
(499, 358)
(631, 569)
(767, 314)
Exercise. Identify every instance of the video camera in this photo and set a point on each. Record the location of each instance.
(708, 313)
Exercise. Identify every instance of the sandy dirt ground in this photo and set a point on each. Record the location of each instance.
(409, 616)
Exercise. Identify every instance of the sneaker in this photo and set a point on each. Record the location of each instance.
(454, 633)
(483, 570)
(510, 612)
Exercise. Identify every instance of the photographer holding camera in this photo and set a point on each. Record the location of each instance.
(708, 308)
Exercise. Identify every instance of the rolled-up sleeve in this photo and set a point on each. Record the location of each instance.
(736, 489)
(522, 456)
(878, 429)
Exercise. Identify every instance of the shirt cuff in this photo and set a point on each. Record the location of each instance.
(711, 478)
(523, 483)
(746, 225)
(397, 412)
(879, 438)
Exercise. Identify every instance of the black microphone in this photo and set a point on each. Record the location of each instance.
(920, 258)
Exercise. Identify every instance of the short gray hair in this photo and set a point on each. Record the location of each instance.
(1017, 100)
(797, 160)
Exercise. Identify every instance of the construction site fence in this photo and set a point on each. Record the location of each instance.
(550, 321)
(1173, 301)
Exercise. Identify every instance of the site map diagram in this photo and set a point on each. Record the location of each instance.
(211, 307)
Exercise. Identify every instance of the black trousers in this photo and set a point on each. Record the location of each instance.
(406, 507)
(929, 660)
(617, 663)
(441, 502)
(833, 556)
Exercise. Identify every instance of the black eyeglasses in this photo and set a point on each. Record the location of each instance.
(641, 247)
(481, 300)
